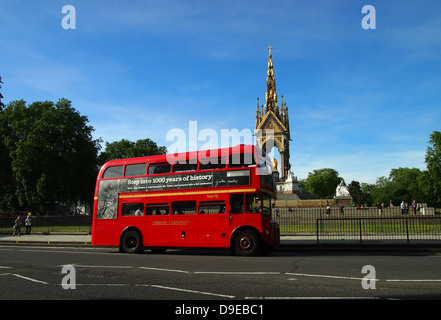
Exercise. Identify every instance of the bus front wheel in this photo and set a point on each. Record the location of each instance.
(131, 242)
(247, 243)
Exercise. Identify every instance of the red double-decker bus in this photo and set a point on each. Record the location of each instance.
(207, 199)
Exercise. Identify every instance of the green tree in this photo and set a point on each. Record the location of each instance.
(322, 183)
(355, 191)
(50, 155)
(380, 191)
(367, 190)
(430, 180)
(405, 184)
(129, 149)
(402, 184)
(361, 193)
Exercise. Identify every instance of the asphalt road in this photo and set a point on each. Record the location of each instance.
(37, 273)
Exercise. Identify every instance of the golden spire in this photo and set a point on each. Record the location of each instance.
(271, 95)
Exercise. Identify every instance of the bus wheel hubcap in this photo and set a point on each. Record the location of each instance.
(245, 243)
(131, 242)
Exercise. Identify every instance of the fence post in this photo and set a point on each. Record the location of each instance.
(407, 231)
(359, 228)
(317, 229)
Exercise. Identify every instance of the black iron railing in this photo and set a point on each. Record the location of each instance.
(406, 228)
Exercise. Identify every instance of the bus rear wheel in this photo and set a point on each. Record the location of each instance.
(131, 242)
(247, 243)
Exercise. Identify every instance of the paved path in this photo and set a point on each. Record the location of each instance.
(47, 239)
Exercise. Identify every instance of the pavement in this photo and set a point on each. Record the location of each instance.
(287, 242)
(47, 239)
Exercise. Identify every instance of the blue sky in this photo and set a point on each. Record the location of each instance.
(360, 101)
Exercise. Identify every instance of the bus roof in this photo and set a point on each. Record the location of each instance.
(189, 155)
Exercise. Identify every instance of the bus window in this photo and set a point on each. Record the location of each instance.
(241, 160)
(184, 207)
(236, 203)
(253, 203)
(184, 167)
(135, 169)
(156, 209)
(132, 209)
(207, 207)
(113, 172)
(158, 168)
(266, 209)
(212, 163)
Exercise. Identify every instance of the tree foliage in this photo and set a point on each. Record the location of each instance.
(321, 183)
(129, 149)
(410, 184)
(402, 184)
(47, 155)
(430, 180)
(361, 193)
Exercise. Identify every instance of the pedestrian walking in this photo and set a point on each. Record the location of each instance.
(28, 224)
(328, 210)
(17, 224)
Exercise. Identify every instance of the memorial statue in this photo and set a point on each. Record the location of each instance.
(274, 164)
(342, 190)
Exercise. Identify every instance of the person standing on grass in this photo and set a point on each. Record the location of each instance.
(340, 208)
(28, 224)
(414, 207)
(380, 209)
(403, 208)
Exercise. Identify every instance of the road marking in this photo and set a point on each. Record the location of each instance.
(212, 272)
(416, 280)
(104, 284)
(310, 298)
(161, 269)
(325, 276)
(4, 267)
(30, 279)
(236, 272)
(193, 291)
(93, 266)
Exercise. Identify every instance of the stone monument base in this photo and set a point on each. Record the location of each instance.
(345, 201)
(288, 187)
